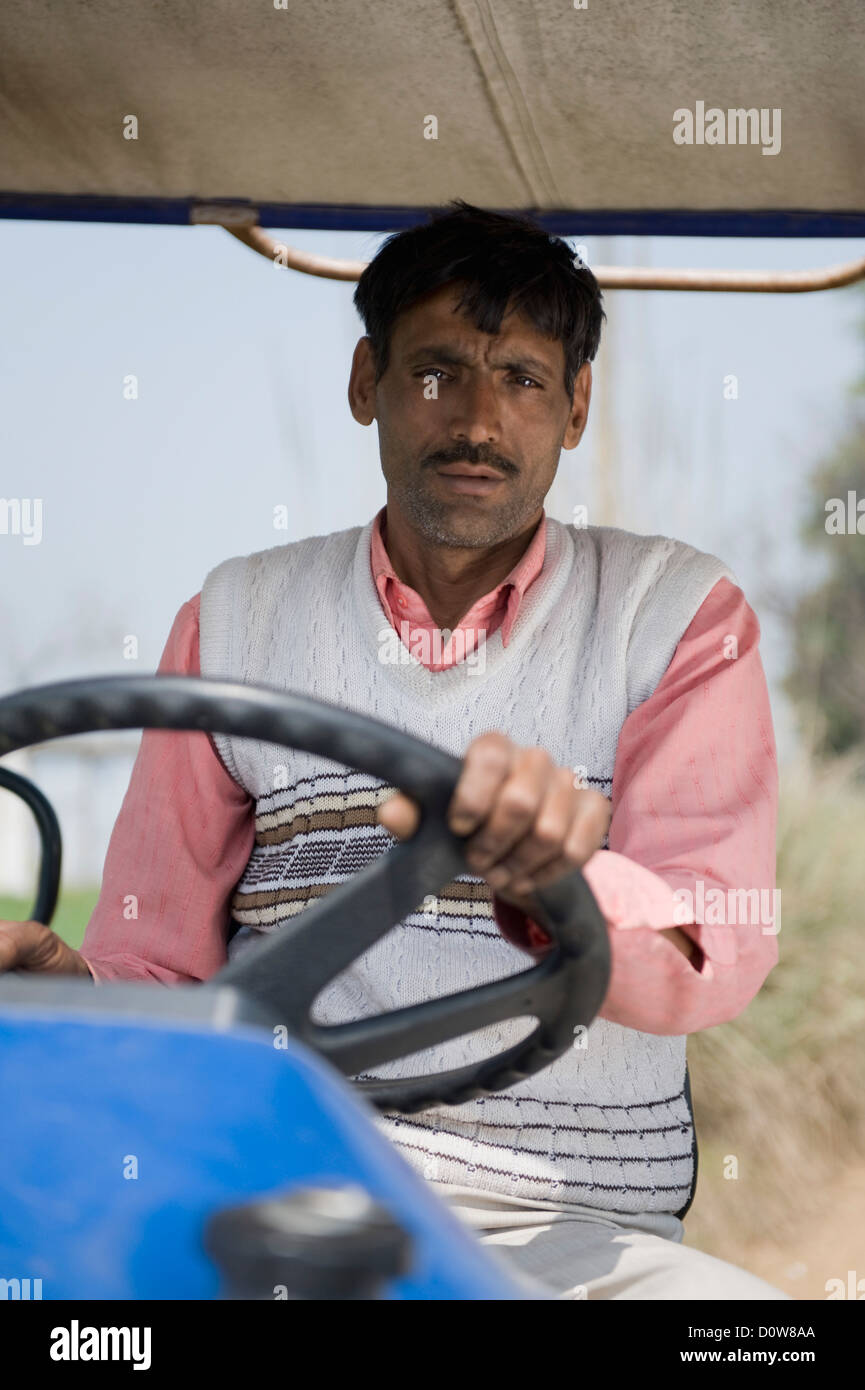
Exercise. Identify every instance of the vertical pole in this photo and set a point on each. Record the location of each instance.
(606, 488)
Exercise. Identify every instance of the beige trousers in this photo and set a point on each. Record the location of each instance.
(577, 1252)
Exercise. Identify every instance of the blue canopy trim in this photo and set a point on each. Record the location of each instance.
(722, 222)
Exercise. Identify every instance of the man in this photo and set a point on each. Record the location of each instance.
(606, 693)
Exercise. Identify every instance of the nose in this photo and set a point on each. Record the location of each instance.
(476, 417)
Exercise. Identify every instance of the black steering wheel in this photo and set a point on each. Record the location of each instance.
(289, 969)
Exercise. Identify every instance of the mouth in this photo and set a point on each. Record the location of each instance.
(462, 478)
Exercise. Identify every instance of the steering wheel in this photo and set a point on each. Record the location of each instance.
(288, 970)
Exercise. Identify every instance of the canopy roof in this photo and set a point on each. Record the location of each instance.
(314, 114)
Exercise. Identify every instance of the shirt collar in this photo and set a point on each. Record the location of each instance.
(510, 591)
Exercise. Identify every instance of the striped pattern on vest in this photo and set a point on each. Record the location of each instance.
(323, 831)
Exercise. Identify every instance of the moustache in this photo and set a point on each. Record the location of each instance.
(465, 453)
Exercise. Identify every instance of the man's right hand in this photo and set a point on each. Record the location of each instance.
(32, 946)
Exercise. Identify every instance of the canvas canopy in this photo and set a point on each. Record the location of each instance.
(336, 113)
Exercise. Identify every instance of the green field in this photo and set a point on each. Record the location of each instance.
(71, 918)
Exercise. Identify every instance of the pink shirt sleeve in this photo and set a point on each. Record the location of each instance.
(179, 846)
(694, 809)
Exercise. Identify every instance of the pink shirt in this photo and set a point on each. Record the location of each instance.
(495, 610)
(694, 807)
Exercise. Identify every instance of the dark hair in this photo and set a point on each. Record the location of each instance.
(506, 262)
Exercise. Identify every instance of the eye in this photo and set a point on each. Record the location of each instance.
(430, 371)
(530, 380)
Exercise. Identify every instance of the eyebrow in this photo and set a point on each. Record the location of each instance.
(441, 352)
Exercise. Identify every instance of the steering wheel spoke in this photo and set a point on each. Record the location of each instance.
(296, 961)
(367, 1042)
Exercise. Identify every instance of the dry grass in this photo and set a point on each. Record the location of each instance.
(782, 1088)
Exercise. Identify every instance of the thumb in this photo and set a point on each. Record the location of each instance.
(399, 815)
(18, 941)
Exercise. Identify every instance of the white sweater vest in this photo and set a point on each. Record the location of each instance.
(608, 1124)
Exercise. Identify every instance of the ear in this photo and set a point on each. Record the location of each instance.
(361, 383)
(579, 407)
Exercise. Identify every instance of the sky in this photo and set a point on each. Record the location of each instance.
(241, 407)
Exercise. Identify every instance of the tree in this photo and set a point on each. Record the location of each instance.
(827, 677)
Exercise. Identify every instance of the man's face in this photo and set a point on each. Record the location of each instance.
(471, 425)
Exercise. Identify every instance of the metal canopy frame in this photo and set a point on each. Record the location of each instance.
(247, 223)
(609, 277)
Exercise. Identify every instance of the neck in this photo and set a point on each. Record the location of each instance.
(450, 579)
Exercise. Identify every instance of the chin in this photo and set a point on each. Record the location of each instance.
(455, 526)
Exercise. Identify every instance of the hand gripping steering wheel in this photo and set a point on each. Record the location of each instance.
(290, 968)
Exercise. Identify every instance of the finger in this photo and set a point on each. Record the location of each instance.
(544, 843)
(399, 815)
(523, 888)
(514, 811)
(589, 825)
(487, 763)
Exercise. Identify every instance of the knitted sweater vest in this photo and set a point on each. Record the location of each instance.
(608, 1125)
